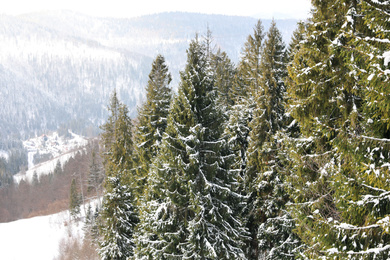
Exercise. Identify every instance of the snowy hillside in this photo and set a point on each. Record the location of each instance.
(60, 67)
(38, 237)
(59, 149)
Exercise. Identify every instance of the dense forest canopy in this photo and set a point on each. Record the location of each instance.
(284, 156)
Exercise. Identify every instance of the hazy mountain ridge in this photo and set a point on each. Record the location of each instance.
(57, 67)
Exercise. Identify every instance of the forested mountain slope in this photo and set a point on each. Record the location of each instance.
(60, 67)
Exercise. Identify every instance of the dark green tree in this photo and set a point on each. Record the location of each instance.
(318, 92)
(152, 117)
(338, 176)
(191, 198)
(118, 216)
(266, 160)
(245, 87)
(74, 200)
(270, 225)
(35, 179)
(224, 73)
(246, 84)
(249, 71)
(58, 168)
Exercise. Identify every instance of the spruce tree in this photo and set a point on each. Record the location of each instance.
(333, 159)
(118, 216)
(314, 101)
(191, 198)
(74, 200)
(58, 169)
(249, 71)
(246, 84)
(152, 118)
(271, 226)
(360, 186)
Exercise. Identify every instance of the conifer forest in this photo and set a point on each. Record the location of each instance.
(282, 156)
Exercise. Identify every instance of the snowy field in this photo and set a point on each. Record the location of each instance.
(36, 238)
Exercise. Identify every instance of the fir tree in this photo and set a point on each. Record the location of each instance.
(314, 101)
(74, 200)
(119, 218)
(249, 72)
(58, 168)
(224, 73)
(332, 175)
(107, 136)
(152, 118)
(246, 84)
(118, 215)
(189, 213)
(35, 180)
(271, 227)
(360, 188)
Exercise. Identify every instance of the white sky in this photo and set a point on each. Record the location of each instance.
(128, 8)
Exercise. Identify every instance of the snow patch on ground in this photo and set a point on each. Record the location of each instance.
(37, 238)
(40, 237)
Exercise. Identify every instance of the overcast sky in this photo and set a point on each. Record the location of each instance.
(127, 8)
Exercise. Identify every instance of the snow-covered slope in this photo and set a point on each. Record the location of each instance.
(39, 237)
(60, 67)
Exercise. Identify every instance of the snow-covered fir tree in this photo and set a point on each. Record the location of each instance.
(152, 119)
(96, 173)
(237, 129)
(189, 214)
(119, 218)
(270, 223)
(118, 215)
(340, 158)
(242, 98)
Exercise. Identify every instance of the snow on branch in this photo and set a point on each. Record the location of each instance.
(346, 226)
(375, 139)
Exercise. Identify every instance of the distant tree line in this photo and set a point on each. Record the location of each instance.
(15, 162)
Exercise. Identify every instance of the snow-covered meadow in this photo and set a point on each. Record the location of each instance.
(41, 237)
(38, 237)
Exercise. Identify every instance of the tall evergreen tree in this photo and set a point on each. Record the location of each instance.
(317, 95)
(118, 216)
(74, 200)
(189, 214)
(249, 71)
(245, 86)
(361, 183)
(336, 155)
(271, 236)
(152, 118)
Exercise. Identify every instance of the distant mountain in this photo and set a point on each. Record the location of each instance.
(60, 67)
